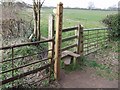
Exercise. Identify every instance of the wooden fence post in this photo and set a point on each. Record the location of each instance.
(80, 40)
(51, 33)
(58, 40)
(51, 45)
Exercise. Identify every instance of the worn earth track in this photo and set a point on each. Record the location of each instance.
(94, 77)
(85, 79)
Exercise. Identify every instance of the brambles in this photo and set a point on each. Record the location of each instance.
(113, 22)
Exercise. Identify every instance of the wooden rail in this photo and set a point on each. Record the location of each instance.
(69, 38)
(70, 29)
(69, 47)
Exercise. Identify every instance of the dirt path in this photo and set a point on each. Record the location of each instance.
(85, 79)
(102, 73)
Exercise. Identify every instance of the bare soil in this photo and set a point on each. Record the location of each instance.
(86, 79)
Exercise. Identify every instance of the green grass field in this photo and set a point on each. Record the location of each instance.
(71, 17)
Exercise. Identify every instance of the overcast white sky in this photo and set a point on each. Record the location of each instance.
(79, 3)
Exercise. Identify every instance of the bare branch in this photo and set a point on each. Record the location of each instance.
(42, 3)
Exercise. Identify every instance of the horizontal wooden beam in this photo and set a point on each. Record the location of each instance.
(68, 47)
(70, 53)
(69, 38)
(69, 29)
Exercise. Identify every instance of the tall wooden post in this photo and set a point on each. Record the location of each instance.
(58, 40)
(80, 40)
(51, 33)
(51, 45)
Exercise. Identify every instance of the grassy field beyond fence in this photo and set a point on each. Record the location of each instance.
(71, 17)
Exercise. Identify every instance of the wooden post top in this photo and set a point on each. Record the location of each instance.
(60, 4)
(81, 26)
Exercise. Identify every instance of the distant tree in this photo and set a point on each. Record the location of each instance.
(91, 5)
(7, 2)
(114, 7)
